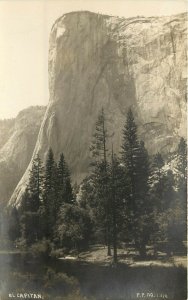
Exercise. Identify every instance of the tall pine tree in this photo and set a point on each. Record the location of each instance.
(101, 174)
(136, 163)
(50, 194)
(116, 191)
(182, 168)
(31, 204)
(35, 184)
(64, 182)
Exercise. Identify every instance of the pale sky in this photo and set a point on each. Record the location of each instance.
(24, 33)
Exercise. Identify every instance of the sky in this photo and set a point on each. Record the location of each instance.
(24, 34)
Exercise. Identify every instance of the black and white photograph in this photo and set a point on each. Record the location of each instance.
(93, 149)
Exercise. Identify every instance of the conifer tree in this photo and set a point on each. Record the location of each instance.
(29, 219)
(136, 163)
(61, 170)
(65, 191)
(101, 174)
(50, 194)
(35, 184)
(99, 143)
(117, 201)
(68, 190)
(130, 158)
(130, 153)
(31, 204)
(182, 168)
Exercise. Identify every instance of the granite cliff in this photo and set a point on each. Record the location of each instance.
(100, 61)
(6, 127)
(18, 138)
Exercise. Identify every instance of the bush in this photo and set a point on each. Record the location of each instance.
(59, 283)
(21, 244)
(58, 253)
(41, 249)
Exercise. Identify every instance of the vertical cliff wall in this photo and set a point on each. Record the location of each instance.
(100, 61)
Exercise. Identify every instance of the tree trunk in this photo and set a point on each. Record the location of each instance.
(115, 252)
(114, 237)
(109, 250)
(142, 251)
(114, 213)
(108, 240)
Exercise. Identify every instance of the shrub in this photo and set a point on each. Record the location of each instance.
(41, 249)
(59, 283)
(58, 253)
(21, 244)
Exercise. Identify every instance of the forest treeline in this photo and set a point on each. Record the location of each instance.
(129, 197)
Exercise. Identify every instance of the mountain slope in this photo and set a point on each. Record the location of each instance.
(17, 151)
(100, 61)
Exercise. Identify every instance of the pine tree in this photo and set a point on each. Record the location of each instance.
(61, 171)
(35, 184)
(31, 204)
(50, 194)
(136, 163)
(101, 174)
(117, 200)
(25, 205)
(130, 156)
(99, 144)
(29, 219)
(68, 190)
(182, 168)
(65, 190)
(130, 153)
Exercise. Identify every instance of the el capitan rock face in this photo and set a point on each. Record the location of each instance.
(100, 61)
(17, 149)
